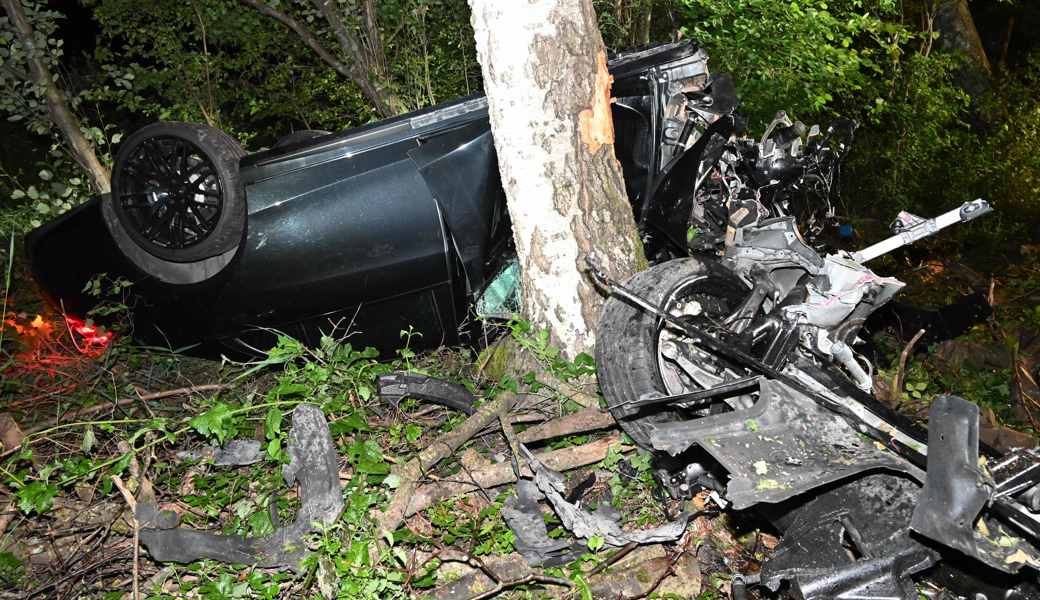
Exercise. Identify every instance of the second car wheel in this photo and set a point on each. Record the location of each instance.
(177, 194)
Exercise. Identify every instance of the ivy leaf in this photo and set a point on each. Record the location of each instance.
(37, 497)
(367, 457)
(215, 422)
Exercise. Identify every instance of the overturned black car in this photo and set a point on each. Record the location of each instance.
(394, 224)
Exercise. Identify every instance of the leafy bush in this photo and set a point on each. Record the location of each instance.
(799, 55)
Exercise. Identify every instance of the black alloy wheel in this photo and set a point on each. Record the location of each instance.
(172, 197)
(177, 197)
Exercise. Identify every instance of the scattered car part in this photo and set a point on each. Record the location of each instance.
(678, 367)
(851, 541)
(584, 524)
(395, 387)
(524, 518)
(958, 489)
(236, 453)
(313, 463)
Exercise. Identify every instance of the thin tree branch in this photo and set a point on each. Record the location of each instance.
(351, 72)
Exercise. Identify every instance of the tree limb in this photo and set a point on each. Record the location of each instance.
(411, 472)
(62, 116)
(352, 72)
(501, 474)
(897, 381)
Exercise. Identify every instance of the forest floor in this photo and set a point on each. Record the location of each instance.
(90, 425)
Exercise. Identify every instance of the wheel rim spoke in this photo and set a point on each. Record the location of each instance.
(169, 193)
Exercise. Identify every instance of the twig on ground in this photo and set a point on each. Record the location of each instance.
(897, 380)
(501, 586)
(494, 475)
(410, 473)
(132, 504)
(572, 391)
(184, 391)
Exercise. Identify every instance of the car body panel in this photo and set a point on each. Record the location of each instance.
(393, 224)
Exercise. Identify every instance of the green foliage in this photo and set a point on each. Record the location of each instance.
(21, 100)
(11, 570)
(217, 423)
(797, 56)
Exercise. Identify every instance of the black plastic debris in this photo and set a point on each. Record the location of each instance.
(524, 517)
(313, 464)
(957, 489)
(395, 387)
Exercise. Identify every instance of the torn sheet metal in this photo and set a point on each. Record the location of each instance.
(852, 542)
(957, 489)
(313, 463)
(784, 445)
(584, 524)
(524, 517)
(236, 453)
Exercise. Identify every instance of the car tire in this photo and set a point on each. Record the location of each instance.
(177, 194)
(296, 137)
(627, 358)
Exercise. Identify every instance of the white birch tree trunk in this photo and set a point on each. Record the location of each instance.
(548, 89)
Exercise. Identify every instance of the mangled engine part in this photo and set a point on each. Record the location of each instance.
(851, 542)
(313, 464)
(523, 516)
(785, 445)
(959, 487)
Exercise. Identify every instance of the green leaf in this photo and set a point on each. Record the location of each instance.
(37, 497)
(595, 543)
(367, 457)
(273, 423)
(88, 440)
(214, 423)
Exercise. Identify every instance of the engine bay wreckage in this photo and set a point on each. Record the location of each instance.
(733, 358)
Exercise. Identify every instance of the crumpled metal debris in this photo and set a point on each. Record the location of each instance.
(524, 518)
(581, 523)
(236, 453)
(313, 463)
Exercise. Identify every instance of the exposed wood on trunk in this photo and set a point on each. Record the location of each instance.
(364, 67)
(68, 124)
(544, 68)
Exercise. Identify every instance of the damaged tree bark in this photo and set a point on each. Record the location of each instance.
(548, 89)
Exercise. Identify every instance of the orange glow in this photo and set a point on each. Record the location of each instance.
(93, 338)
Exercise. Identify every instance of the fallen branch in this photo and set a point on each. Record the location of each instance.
(582, 421)
(501, 474)
(410, 473)
(184, 391)
(897, 381)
